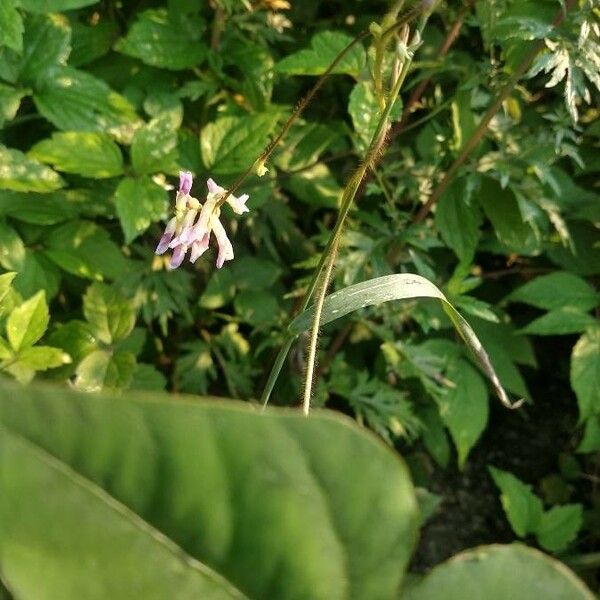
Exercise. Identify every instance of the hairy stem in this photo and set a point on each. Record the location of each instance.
(481, 129)
(333, 241)
(266, 153)
(316, 325)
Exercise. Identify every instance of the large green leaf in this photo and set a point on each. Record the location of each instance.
(559, 526)
(10, 100)
(585, 373)
(399, 287)
(560, 322)
(11, 26)
(365, 112)
(90, 42)
(230, 144)
(557, 290)
(86, 250)
(458, 221)
(46, 43)
(464, 407)
(22, 174)
(80, 542)
(111, 316)
(324, 47)
(498, 572)
(41, 209)
(159, 42)
(501, 207)
(103, 369)
(264, 499)
(28, 322)
(523, 508)
(140, 202)
(74, 100)
(84, 153)
(54, 5)
(154, 146)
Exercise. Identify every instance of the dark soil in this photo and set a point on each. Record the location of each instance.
(526, 442)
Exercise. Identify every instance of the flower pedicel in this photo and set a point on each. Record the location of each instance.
(193, 223)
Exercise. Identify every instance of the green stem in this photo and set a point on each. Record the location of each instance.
(316, 325)
(347, 201)
(266, 153)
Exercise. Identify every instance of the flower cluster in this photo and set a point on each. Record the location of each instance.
(193, 223)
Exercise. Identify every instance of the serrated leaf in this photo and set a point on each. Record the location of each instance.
(522, 507)
(44, 6)
(583, 255)
(154, 146)
(195, 368)
(502, 209)
(110, 315)
(230, 144)
(159, 42)
(41, 209)
(23, 174)
(557, 290)
(41, 358)
(220, 289)
(254, 273)
(399, 287)
(497, 573)
(559, 526)
(46, 44)
(590, 442)
(457, 221)
(90, 42)
(562, 321)
(304, 144)
(6, 280)
(140, 202)
(36, 272)
(27, 323)
(585, 373)
(147, 377)
(103, 369)
(464, 407)
(365, 112)
(75, 338)
(175, 464)
(324, 47)
(74, 100)
(11, 26)
(10, 100)
(86, 250)
(315, 186)
(256, 307)
(88, 154)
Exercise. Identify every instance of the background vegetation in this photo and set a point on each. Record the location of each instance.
(486, 185)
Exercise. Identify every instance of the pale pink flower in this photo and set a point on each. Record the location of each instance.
(193, 223)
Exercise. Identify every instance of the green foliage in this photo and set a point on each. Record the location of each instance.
(555, 528)
(112, 473)
(585, 373)
(102, 103)
(26, 323)
(523, 573)
(324, 47)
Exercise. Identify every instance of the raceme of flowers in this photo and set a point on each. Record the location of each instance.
(193, 223)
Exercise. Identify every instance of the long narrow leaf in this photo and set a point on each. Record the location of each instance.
(401, 287)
